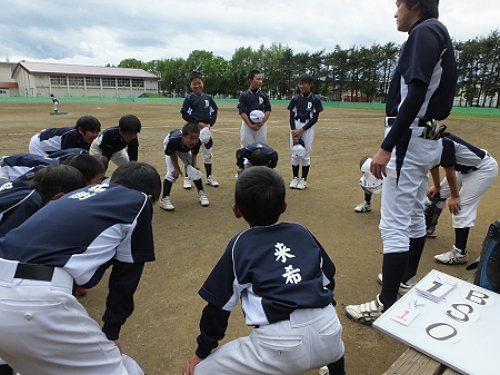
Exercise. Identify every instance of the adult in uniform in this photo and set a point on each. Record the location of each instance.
(73, 240)
(421, 92)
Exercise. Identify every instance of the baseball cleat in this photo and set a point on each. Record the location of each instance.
(166, 204)
(302, 184)
(432, 232)
(211, 181)
(454, 256)
(365, 313)
(203, 198)
(324, 371)
(187, 183)
(294, 183)
(363, 207)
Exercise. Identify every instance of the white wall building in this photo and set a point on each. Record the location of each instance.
(65, 80)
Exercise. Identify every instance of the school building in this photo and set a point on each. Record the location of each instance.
(34, 79)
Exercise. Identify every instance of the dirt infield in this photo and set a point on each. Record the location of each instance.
(161, 334)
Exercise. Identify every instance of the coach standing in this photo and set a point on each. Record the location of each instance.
(422, 89)
(254, 108)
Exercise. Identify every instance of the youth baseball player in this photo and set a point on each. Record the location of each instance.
(120, 143)
(45, 329)
(16, 165)
(55, 103)
(201, 109)
(470, 171)
(182, 145)
(284, 279)
(420, 95)
(369, 183)
(254, 108)
(304, 114)
(18, 201)
(81, 135)
(258, 154)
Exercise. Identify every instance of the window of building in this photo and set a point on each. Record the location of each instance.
(138, 83)
(92, 81)
(76, 81)
(58, 80)
(108, 82)
(123, 82)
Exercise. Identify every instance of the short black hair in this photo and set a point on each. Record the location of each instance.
(252, 73)
(129, 124)
(139, 176)
(259, 157)
(306, 78)
(88, 123)
(87, 164)
(260, 195)
(55, 179)
(428, 8)
(193, 75)
(190, 128)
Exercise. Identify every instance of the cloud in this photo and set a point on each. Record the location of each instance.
(100, 32)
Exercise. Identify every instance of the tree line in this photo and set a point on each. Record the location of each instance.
(352, 74)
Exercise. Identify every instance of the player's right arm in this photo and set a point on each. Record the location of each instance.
(175, 161)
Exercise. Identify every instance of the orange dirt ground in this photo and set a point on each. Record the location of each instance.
(161, 334)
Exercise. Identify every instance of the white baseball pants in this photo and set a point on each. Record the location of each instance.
(307, 138)
(249, 136)
(310, 339)
(403, 197)
(46, 331)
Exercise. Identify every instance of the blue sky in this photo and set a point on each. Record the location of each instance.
(97, 32)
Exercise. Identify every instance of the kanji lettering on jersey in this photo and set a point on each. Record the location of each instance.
(282, 252)
(292, 275)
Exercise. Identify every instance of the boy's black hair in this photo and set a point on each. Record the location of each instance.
(260, 195)
(306, 78)
(88, 123)
(129, 124)
(190, 128)
(55, 179)
(259, 157)
(139, 176)
(103, 159)
(252, 73)
(193, 75)
(87, 164)
(428, 8)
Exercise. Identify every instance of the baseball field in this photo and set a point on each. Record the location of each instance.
(161, 334)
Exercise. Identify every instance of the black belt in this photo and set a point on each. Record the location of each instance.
(422, 122)
(34, 272)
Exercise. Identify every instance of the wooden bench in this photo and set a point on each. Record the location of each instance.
(412, 362)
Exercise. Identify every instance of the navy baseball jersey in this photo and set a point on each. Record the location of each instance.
(245, 152)
(173, 143)
(306, 109)
(118, 232)
(110, 141)
(253, 100)
(426, 56)
(460, 154)
(52, 139)
(274, 270)
(199, 108)
(17, 203)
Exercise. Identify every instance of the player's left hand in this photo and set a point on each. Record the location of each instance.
(189, 370)
(379, 162)
(454, 205)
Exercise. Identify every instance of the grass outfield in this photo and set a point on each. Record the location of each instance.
(463, 111)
